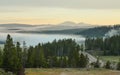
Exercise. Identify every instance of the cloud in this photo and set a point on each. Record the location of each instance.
(74, 4)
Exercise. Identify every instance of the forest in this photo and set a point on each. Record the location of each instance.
(109, 45)
(57, 54)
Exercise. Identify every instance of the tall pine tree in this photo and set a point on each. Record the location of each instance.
(10, 56)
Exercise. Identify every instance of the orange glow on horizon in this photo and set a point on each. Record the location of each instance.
(36, 16)
(58, 21)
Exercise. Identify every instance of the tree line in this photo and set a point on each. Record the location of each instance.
(109, 45)
(57, 54)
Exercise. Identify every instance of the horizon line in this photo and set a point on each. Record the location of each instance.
(61, 23)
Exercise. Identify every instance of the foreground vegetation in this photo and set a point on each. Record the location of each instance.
(64, 53)
(58, 54)
(110, 58)
(71, 71)
(2, 72)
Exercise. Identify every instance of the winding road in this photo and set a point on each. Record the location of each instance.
(92, 58)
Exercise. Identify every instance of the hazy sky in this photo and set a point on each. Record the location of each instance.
(57, 11)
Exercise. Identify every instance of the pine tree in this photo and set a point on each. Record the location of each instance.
(1, 58)
(97, 63)
(24, 55)
(76, 56)
(19, 56)
(39, 58)
(19, 52)
(82, 47)
(42, 58)
(10, 57)
(65, 62)
(61, 61)
(36, 57)
(118, 66)
(83, 61)
(107, 66)
(30, 59)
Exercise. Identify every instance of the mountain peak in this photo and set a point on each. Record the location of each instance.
(68, 23)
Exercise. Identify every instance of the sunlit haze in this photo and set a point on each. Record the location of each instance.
(102, 12)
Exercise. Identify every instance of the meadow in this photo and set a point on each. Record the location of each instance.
(70, 71)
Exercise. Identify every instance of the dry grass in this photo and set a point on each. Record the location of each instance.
(70, 72)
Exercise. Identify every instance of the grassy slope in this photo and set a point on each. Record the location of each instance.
(70, 72)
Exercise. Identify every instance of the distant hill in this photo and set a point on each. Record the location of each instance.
(75, 25)
(100, 31)
(67, 27)
(15, 25)
(66, 31)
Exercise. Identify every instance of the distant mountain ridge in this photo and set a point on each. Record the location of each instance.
(66, 31)
(81, 24)
(67, 27)
(66, 23)
(14, 27)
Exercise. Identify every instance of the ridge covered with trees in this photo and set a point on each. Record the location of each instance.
(97, 31)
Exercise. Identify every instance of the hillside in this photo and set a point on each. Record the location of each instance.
(65, 27)
(65, 31)
(15, 25)
(100, 31)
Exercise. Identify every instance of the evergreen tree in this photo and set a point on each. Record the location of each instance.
(19, 53)
(24, 55)
(107, 66)
(36, 57)
(30, 59)
(42, 58)
(83, 61)
(82, 47)
(55, 61)
(1, 58)
(10, 56)
(65, 62)
(19, 56)
(97, 63)
(118, 66)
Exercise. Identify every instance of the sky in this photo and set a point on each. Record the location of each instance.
(102, 12)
